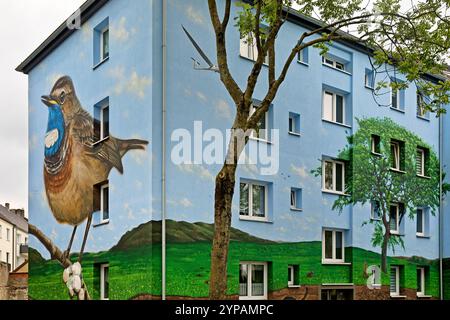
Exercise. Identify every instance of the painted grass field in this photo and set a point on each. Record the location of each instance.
(137, 271)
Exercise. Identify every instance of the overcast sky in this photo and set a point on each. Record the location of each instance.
(24, 24)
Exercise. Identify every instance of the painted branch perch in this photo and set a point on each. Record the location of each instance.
(55, 253)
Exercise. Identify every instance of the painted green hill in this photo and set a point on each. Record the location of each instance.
(34, 256)
(177, 232)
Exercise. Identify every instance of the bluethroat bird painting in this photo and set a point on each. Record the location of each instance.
(75, 161)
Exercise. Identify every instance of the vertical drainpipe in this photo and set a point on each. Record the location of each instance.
(164, 122)
(441, 210)
(13, 241)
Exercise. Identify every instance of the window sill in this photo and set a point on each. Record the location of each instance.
(260, 140)
(250, 219)
(100, 141)
(296, 209)
(423, 118)
(101, 224)
(423, 296)
(306, 64)
(252, 298)
(398, 110)
(100, 63)
(337, 123)
(398, 171)
(336, 193)
(254, 61)
(423, 177)
(335, 263)
(293, 286)
(376, 219)
(397, 296)
(397, 234)
(296, 134)
(376, 154)
(369, 87)
(422, 236)
(331, 67)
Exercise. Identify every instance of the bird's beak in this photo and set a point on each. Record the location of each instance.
(48, 101)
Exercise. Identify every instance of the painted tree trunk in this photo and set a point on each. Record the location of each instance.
(384, 249)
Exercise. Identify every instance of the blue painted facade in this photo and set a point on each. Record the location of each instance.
(132, 78)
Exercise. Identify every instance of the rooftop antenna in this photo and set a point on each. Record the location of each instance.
(197, 65)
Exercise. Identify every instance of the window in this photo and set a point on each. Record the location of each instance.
(397, 155)
(249, 49)
(420, 225)
(296, 199)
(334, 63)
(101, 121)
(334, 176)
(394, 221)
(262, 130)
(1, 236)
(253, 201)
(303, 56)
(376, 144)
(104, 282)
(421, 162)
(376, 211)
(253, 281)
(395, 281)
(333, 107)
(7, 261)
(104, 44)
(8, 235)
(101, 43)
(333, 246)
(421, 281)
(101, 203)
(369, 79)
(294, 123)
(397, 97)
(293, 276)
(421, 110)
(337, 294)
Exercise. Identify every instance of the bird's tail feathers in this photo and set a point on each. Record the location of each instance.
(132, 144)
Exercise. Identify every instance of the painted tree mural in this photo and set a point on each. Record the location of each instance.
(396, 172)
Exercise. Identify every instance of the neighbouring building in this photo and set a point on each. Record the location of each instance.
(109, 76)
(13, 237)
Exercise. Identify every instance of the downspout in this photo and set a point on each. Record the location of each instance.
(164, 124)
(441, 211)
(13, 258)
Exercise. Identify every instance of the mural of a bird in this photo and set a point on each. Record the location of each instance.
(74, 162)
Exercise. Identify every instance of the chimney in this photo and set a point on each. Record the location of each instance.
(7, 205)
(20, 212)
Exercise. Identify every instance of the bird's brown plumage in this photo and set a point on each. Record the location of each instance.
(71, 175)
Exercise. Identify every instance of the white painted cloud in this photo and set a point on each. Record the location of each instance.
(223, 109)
(131, 83)
(120, 32)
(194, 15)
(300, 171)
(197, 170)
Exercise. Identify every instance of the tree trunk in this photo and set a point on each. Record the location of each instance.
(384, 249)
(225, 184)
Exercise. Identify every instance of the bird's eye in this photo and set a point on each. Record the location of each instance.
(62, 97)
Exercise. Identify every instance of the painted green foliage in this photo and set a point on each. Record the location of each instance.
(371, 176)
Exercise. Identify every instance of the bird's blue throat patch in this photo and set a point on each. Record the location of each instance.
(55, 131)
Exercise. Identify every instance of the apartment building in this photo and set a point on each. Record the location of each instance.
(287, 240)
(13, 237)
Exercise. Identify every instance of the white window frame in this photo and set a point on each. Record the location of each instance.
(250, 216)
(372, 211)
(102, 281)
(250, 50)
(292, 125)
(102, 124)
(374, 144)
(397, 231)
(294, 199)
(334, 162)
(398, 104)
(333, 107)
(301, 56)
(397, 281)
(421, 234)
(291, 271)
(397, 154)
(420, 100)
(102, 205)
(422, 282)
(333, 63)
(422, 159)
(265, 132)
(102, 53)
(333, 260)
(8, 235)
(249, 280)
(369, 79)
